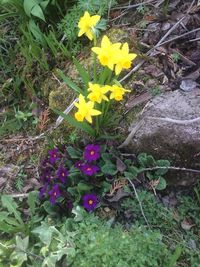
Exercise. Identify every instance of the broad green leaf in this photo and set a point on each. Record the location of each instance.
(32, 200)
(11, 206)
(129, 175)
(28, 6)
(7, 228)
(44, 4)
(80, 125)
(74, 153)
(162, 184)
(82, 71)
(109, 169)
(44, 232)
(69, 82)
(22, 243)
(37, 12)
(82, 187)
(162, 163)
(79, 213)
(107, 157)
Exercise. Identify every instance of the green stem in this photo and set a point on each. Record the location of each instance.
(95, 60)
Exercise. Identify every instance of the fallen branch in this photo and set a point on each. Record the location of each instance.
(171, 168)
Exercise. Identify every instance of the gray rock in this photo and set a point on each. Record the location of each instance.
(169, 128)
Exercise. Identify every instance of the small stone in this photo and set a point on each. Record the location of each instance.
(188, 85)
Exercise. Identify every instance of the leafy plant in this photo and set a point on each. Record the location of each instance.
(175, 57)
(142, 9)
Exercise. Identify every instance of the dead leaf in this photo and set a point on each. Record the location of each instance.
(121, 167)
(186, 224)
(119, 194)
(138, 100)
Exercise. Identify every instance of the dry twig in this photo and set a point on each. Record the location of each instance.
(140, 204)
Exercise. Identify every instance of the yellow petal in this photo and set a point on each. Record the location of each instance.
(105, 42)
(96, 50)
(95, 112)
(89, 34)
(118, 69)
(89, 118)
(94, 19)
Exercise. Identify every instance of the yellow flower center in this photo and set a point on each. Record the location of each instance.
(90, 202)
(89, 169)
(92, 153)
(54, 155)
(54, 194)
(63, 174)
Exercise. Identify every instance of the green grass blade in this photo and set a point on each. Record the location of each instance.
(82, 71)
(69, 82)
(80, 125)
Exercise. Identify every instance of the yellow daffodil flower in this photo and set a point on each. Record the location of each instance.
(107, 53)
(98, 92)
(85, 110)
(117, 92)
(124, 59)
(86, 23)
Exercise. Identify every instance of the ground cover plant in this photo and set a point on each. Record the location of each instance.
(91, 203)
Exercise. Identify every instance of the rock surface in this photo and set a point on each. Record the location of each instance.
(169, 128)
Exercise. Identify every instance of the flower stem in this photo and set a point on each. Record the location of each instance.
(95, 59)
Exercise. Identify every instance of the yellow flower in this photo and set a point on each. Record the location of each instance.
(107, 53)
(124, 59)
(98, 92)
(85, 110)
(117, 92)
(86, 23)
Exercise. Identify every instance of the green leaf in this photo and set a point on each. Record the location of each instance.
(173, 259)
(107, 157)
(74, 153)
(129, 175)
(162, 184)
(28, 6)
(82, 187)
(82, 71)
(109, 169)
(35, 30)
(7, 15)
(79, 213)
(11, 206)
(80, 125)
(22, 243)
(44, 4)
(162, 163)
(44, 232)
(32, 200)
(146, 160)
(37, 12)
(69, 82)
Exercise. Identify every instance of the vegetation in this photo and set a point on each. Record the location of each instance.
(92, 204)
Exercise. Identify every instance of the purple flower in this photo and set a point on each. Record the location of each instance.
(47, 176)
(90, 201)
(43, 191)
(92, 152)
(79, 164)
(62, 174)
(89, 169)
(54, 155)
(54, 193)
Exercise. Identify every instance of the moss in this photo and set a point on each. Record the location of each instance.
(61, 97)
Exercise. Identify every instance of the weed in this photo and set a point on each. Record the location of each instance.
(175, 57)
